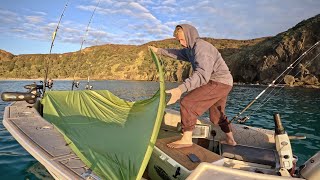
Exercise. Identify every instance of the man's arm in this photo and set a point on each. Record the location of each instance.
(202, 73)
(180, 54)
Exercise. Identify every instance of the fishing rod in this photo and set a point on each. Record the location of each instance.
(88, 86)
(74, 83)
(287, 70)
(266, 99)
(46, 82)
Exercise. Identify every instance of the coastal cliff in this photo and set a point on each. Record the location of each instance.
(250, 61)
(264, 61)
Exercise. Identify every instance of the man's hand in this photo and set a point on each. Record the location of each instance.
(154, 49)
(175, 95)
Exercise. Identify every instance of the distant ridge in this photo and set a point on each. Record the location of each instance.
(251, 61)
(110, 61)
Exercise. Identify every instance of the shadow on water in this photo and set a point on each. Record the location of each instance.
(37, 171)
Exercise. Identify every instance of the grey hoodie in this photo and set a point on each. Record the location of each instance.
(207, 62)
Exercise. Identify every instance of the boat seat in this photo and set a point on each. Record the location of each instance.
(180, 155)
(250, 154)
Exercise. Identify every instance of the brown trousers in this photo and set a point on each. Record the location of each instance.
(212, 96)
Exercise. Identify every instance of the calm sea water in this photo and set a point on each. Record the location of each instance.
(299, 110)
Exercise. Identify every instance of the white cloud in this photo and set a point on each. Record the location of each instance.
(52, 25)
(149, 2)
(120, 4)
(4, 12)
(164, 9)
(202, 7)
(18, 30)
(188, 9)
(40, 13)
(8, 17)
(88, 8)
(148, 16)
(173, 2)
(34, 19)
(141, 21)
(98, 33)
(204, 3)
(137, 6)
(71, 30)
(211, 10)
(149, 32)
(103, 1)
(173, 24)
(130, 9)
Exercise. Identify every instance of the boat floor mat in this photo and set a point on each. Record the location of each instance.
(181, 155)
(249, 154)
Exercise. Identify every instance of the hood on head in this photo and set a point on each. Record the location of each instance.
(190, 33)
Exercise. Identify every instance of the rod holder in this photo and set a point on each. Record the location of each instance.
(278, 124)
(19, 96)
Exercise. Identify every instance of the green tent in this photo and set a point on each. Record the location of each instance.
(114, 137)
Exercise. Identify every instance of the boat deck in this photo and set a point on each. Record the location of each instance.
(44, 142)
(244, 135)
(181, 155)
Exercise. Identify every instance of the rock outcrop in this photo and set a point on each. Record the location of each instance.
(266, 60)
(257, 61)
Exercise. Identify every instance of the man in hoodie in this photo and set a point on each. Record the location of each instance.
(208, 86)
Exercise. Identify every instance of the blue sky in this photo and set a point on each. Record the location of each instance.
(26, 25)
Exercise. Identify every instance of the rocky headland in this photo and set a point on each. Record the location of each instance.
(255, 61)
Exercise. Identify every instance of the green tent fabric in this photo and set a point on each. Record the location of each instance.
(114, 137)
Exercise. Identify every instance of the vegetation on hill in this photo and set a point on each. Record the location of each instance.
(250, 61)
(108, 62)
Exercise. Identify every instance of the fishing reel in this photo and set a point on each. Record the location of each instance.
(89, 87)
(239, 119)
(48, 84)
(75, 84)
(243, 120)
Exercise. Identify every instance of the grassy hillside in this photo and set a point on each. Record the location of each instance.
(108, 62)
(250, 61)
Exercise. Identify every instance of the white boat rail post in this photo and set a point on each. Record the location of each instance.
(283, 147)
